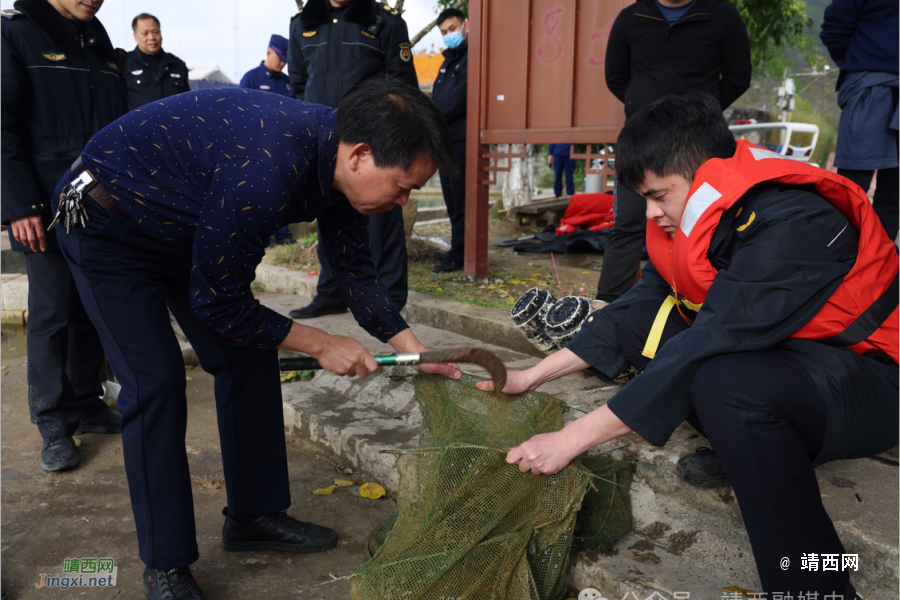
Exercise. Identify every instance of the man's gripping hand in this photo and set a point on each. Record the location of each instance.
(345, 356)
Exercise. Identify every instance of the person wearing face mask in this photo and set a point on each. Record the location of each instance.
(62, 82)
(152, 73)
(449, 94)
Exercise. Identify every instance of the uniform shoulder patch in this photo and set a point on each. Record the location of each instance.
(405, 52)
(392, 11)
(54, 56)
(309, 33)
(11, 13)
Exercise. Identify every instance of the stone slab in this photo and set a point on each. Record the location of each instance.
(14, 293)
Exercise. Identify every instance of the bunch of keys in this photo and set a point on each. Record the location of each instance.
(71, 206)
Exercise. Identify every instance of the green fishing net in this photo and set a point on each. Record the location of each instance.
(472, 526)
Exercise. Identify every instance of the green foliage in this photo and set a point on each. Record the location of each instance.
(775, 27)
(445, 4)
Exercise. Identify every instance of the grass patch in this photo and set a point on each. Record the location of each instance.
(300, 255)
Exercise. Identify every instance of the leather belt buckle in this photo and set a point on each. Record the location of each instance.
(84, 182)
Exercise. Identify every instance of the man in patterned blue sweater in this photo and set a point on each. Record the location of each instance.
(189, 191)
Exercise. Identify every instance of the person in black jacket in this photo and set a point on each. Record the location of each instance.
(152, 73)
(449, 93)
(656, 48)
(61, 84)
(335, 47)
(773, 405)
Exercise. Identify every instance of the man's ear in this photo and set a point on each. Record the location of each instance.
(359, 154)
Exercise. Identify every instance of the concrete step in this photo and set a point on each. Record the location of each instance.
(475, 322)
(431, 213)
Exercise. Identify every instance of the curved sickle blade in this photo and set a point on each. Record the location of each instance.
(473, 356)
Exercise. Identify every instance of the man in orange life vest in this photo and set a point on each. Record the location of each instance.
(783, 345)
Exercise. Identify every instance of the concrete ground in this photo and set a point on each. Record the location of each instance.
(86, 512)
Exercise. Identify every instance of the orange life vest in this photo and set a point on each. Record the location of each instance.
(861, 314)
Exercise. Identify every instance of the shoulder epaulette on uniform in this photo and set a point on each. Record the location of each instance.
(11, 13)
(390, 10)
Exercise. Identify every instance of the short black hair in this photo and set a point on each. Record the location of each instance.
(450, 13)
(674, 135)
(135, 20)
(398, 122)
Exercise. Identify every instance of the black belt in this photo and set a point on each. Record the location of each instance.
(93, 187)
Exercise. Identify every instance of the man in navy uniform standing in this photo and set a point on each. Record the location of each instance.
(269, 78)
(183, 195)
(152, 73)
(336, 47)
(449, 94)
(61, 84)
(268, 75)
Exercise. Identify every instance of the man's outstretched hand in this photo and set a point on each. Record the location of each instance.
(516, 383)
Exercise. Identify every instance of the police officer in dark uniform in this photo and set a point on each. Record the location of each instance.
(61, 84)
(450, 95)
(337, 46)
(152, 73)
(268, 75)
(187, 192)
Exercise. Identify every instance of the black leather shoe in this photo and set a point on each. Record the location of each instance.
(102, 421)
(58, 453)
(276, 531)
(438, 255)
(171, 584)
(314, 309)
(446, 266)
(702, 469)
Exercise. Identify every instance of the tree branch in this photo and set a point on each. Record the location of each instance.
(398, 6)
(416, 38)
(299, 4)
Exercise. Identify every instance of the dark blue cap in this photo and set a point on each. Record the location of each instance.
(279, 45)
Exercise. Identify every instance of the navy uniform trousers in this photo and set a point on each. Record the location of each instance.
(622, 254)
(454, 190)
(64, 352)
(387, 246)
(126, 281)
(769, 423)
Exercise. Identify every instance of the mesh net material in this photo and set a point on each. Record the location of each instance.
(472, 526)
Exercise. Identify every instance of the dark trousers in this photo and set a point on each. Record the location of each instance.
(887, 191)
(622, 255)
(563, 164)
(770, 423)
(64, 351)
(128, 283)
(454, 189)
(387, 245)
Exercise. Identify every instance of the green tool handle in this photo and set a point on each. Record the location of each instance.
(308, 363)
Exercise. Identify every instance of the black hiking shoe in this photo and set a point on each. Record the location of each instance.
(702, 469)
(276, 531)
(171, 584)
(102, 421)
(58, 453)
